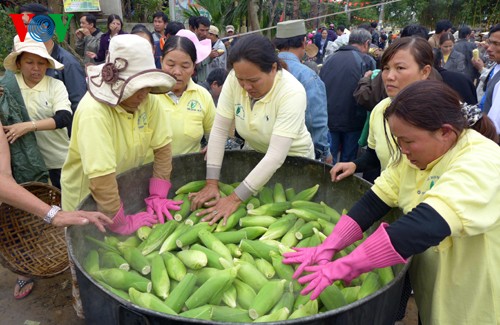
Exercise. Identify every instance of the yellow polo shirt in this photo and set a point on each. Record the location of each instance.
(42, 102)
(191, 117)
(281, 112)
(457, 281)
(377, 135)
(108, 139)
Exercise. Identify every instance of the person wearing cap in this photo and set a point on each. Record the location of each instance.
(332, 35)
(267, 105)
(218, 56)
(191, 105)
(230, 39)
(290, 41)
(121, 115)
(46, 101)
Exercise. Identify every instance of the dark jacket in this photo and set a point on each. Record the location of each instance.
(72, 75)
(104, 46)
(465, 47)
(461, 84)
(341, 73)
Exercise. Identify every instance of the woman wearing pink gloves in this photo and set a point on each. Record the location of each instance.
(445, 179)
(118, 125)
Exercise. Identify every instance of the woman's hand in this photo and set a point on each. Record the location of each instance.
(342, 170)
(91, 55)
(220, 209)
(80, 218)
(209, 192)
(15, 131)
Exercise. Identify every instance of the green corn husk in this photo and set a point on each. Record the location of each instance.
(159, 277)
(102, 244)
(276, 316)
(279, 193)
(307, 194)
(229, 297)
(230, 315)
(169, 243)
(136, 260)
(266, 195)
(203, 312)
(232, 220)
(91, 262)
(157, 236)
(213, 289)
(122, 280)
(279, 228)
(193, 259)
(309, 309)
(190, 236)
(253, 203)
(273, 209)
(149, 301)
(245, 294)
(181, 292)
(143, 232)
(266, 298)
(265, 268)
(191, 187)
(114, 260)
(175, 268)
(257, 248)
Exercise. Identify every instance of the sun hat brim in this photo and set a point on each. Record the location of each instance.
(10, 61)
(159, 81)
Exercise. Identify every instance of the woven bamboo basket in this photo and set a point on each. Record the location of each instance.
(28, 245)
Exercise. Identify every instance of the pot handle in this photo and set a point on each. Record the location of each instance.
(130, 317)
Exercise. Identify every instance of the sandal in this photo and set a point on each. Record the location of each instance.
(22, 284)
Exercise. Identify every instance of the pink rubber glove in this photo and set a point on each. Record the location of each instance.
(126, 225)
(346, 232)
(157, 202)
(375, 252)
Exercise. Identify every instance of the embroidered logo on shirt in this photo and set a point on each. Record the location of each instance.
(239, 111)
(194, 106)
(142, 121)
(432, 180)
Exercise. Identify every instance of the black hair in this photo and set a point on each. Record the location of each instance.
(494, 29)
(161, 14)
(443, 25)
(415, 30)
(140, 28)
(173, 27)
(256, 49)
(373, 24)
(202, 20)
(35, 8)
(464, 31)
(192, 22)
(183, 44)
(290, 42)
(91, 19)
(218, 75)
(365, 26)
(113, 17)
(341, 27)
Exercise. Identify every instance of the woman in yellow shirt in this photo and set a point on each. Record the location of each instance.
(191, 106)
(445, 179)
(267, 105)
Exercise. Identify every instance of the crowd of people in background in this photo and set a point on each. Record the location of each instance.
(331, 94)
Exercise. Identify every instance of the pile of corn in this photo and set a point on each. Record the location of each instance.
(232, 272)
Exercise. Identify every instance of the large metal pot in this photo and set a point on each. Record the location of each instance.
(102, 307)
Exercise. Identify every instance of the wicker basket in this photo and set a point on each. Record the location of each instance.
(28, 245)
